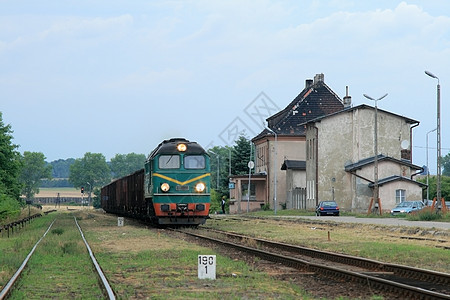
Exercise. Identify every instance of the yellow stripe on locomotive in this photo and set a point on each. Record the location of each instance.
(178, 181)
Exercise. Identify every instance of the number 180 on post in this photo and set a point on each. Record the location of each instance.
(207, 267)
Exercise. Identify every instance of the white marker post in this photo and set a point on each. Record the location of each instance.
(120, 221)
(207, 267)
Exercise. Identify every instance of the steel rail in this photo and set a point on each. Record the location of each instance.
(7, 289)
(103, 279)
(400, 270)
(376, 282)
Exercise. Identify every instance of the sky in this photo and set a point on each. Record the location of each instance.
(116, 77)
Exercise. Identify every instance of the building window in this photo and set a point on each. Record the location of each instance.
(245, 192)
(261, 156)
(400, 196)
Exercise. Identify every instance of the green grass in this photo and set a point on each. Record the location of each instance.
(14, 249)
(378, 242)
(60, 267)
(166, 268)
(425, 215)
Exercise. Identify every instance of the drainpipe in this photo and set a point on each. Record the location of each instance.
(316, 146)
(410, 138)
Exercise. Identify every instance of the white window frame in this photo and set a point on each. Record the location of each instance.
(400, 196)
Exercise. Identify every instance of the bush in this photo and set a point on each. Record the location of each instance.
(8, 206)
(426, 214)
(266, 206)
(216, 198)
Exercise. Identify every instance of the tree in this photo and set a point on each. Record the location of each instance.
(445, 162)
(241, 156)
(445, 187)
(125, 164)
(10, 164)
(220, 158)
(61, 167)
(91, 171)
(34, 169)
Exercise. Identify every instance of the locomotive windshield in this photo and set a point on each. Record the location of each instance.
(194, 162)
(169, 162)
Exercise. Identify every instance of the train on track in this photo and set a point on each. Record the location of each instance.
(173, 188)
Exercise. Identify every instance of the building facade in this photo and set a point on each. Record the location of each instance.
(284, 140)
(340, 159)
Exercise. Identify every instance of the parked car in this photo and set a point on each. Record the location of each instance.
(326, 208)
(407, 207)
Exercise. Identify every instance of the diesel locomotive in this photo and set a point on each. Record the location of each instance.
(173, 188)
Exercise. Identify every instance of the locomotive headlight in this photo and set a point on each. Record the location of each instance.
(165, 187)
(181, 147)
(200, 187)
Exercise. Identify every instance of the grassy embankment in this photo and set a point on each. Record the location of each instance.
(139, 263)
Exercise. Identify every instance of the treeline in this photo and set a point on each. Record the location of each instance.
(120, 165)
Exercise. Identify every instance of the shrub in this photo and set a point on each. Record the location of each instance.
(8, 206)
(215, 202)
(266, 206)
(426, 214)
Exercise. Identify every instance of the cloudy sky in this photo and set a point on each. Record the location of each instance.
(120, 76)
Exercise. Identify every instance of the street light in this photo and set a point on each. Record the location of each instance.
(275, 170)
(229, 161)
(375, 150)
(428, 171)
(251, 164)
(218, 166)
(438, 134)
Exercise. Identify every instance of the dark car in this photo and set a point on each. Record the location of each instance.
(407, 207)
(327, 208)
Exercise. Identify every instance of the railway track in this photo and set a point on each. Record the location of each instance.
(45, 264)
(407, 282)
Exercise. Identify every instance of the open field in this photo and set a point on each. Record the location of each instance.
(63, 192)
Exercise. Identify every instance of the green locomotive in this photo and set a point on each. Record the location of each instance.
(172, 189)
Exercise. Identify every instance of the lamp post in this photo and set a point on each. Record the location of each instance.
(229, 161)
(438, 134)
(218, 166)
(251, 165)
(275, 170)
(375, 149)
(428, 171)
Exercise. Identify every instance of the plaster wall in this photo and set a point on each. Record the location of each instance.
(346, 138)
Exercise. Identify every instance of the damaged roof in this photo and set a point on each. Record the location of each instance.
(316, 100)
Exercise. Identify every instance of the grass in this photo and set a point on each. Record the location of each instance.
(60, 267)
(378, 242)
(63, 191)
(142, 262)
(14, 249)
(427, 214)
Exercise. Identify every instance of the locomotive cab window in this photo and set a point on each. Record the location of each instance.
(194, 162)
(169, 162)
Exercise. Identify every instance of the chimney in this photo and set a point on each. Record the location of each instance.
(319, 78)
(347, 99)
(308, 83)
